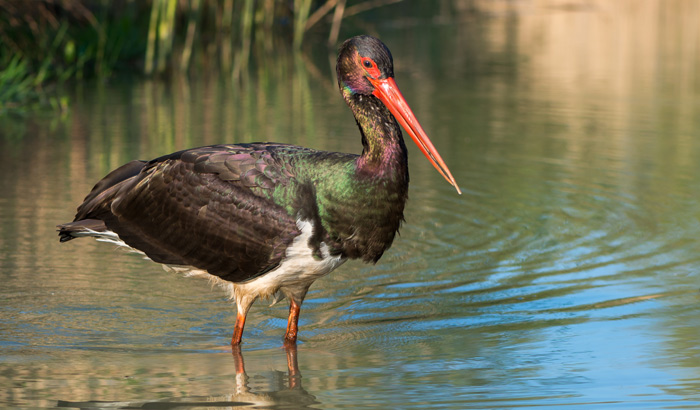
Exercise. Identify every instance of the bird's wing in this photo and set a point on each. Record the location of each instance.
(207, 207)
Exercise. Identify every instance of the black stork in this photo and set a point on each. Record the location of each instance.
(266, 220)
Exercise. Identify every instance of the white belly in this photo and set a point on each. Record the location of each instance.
(298, 270)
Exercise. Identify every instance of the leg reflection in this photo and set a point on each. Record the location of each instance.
(277, 390)
(293, 366)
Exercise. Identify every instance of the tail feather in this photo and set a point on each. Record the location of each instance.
(96, 204)
(85, 227)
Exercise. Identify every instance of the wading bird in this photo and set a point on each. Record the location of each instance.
(267, 220)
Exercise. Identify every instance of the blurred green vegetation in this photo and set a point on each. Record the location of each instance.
(44, 43)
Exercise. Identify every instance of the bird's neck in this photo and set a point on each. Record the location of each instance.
(384, 152)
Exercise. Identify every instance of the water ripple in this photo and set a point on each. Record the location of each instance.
(567, 251)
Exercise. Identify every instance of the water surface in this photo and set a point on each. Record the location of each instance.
(566, 276)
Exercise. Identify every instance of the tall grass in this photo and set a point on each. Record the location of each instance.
(45, 42)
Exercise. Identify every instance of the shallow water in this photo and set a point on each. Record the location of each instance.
(567, 275)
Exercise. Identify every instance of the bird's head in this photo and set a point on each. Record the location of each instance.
(365, 67)
(363, 61)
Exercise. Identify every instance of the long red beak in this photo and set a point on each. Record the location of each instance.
(387, 91)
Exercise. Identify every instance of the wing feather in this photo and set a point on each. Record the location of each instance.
(209, 207)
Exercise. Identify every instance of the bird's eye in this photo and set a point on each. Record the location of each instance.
(371, 67)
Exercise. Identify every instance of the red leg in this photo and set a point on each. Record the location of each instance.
(238, 330)
(292, 323)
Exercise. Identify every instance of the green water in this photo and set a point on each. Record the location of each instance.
(566, 275)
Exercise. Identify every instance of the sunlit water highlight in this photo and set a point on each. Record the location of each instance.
(565, 276)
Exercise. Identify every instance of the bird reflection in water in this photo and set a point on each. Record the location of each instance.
(280, 393)
(283, 395)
